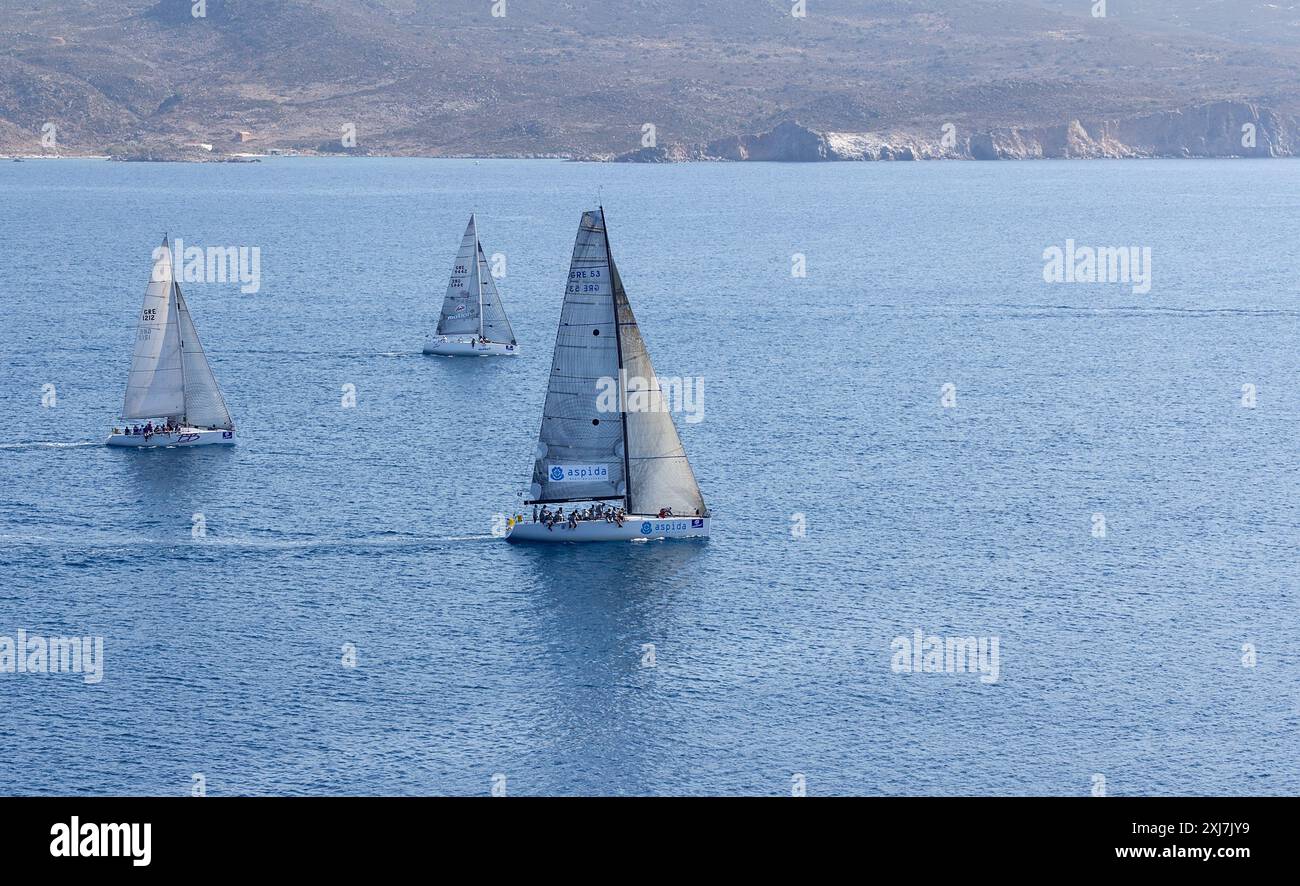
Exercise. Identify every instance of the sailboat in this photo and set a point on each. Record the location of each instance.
(473, 320)
(171, 390)
(589, 454)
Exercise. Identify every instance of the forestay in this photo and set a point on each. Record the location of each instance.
(204, 405)
(496, 327)
(660, 475)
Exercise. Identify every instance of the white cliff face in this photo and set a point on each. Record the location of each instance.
(1220, 129)
(1223, 129)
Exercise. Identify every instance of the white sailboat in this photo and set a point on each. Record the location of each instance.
(622, 458)
(473, 321)
(171, 391)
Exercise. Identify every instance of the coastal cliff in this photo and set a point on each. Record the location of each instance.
(1218, 129)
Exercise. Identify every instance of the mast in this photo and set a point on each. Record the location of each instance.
(478, 273)
(176, 302)
(618, 345)
(180, 335)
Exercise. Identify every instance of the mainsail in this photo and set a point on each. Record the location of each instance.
(170, 375)
(461, 309)
(472, 305)
(156, 386)
(585, 451)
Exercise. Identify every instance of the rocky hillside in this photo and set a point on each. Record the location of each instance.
(1221, 129)
(864, 79)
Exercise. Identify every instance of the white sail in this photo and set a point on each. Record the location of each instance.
(580, 448)
(496, 326)
(462, 306)
(204, 405)
(583, 452)
(659, 474)
(155, 388)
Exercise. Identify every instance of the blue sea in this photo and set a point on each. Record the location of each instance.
(920, 434)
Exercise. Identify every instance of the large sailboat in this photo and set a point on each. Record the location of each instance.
(590, 456)
(172, 397)
(473, 321)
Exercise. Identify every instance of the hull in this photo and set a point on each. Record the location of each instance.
(464, 347)
(633, 529)
(185, 437)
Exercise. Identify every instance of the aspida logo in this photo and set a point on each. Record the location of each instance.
(91, 840)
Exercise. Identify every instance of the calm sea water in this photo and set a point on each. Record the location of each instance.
(1120, 656)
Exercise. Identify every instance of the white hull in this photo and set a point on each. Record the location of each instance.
(464, 347)
(184, 437)
(633, 529)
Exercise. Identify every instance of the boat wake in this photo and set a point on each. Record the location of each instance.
(385, 543)
(338, 355)
(238, 543)
(1039, 311)
(48, 444)
(1146, 311)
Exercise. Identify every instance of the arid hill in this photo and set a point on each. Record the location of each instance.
(582, 78)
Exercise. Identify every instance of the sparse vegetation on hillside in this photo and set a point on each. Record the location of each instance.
(581, 78)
